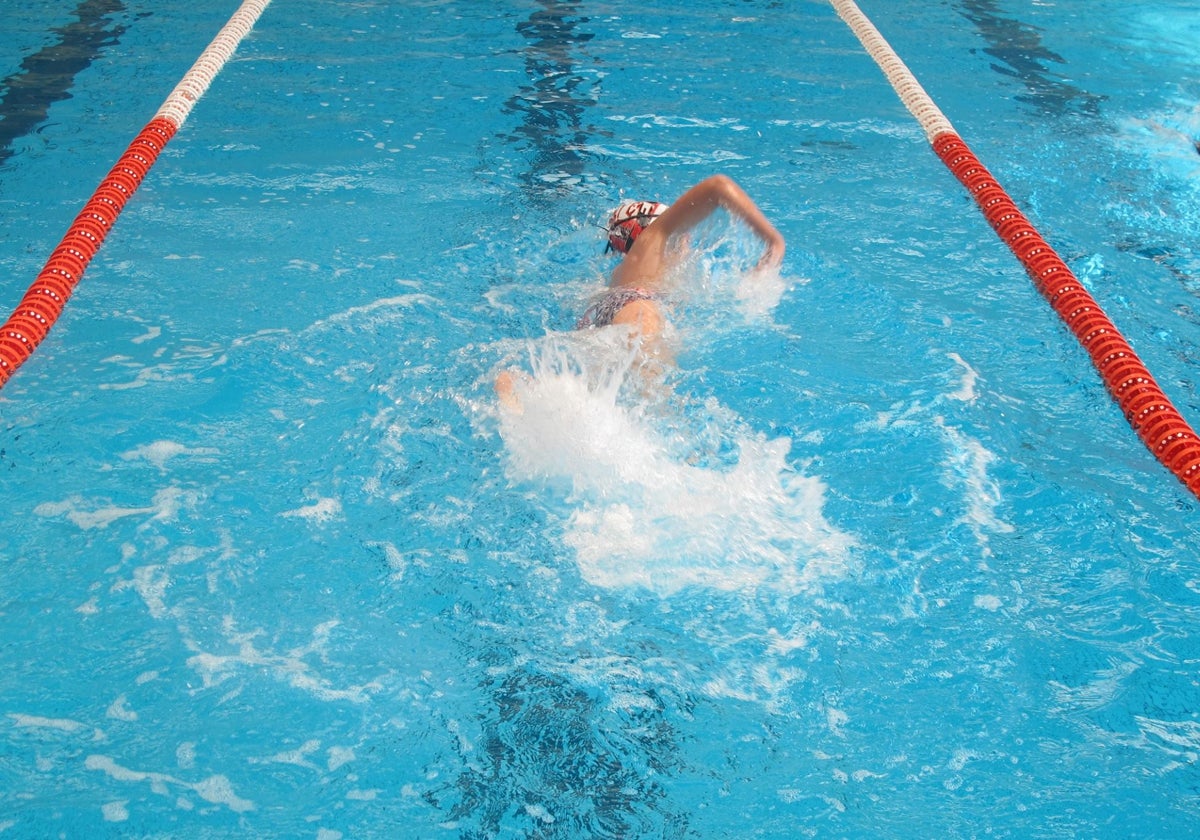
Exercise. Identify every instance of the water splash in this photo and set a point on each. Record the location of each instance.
(661, 493)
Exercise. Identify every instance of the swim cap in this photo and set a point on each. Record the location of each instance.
(627, 222)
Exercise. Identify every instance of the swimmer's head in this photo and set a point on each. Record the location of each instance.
(627, 222)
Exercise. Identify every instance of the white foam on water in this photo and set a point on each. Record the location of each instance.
(967, 467)
(646, 512)
(89, 607)
(115, 811)
(150, 334)
(214, 789)
(381, 311)
(539, 813)
(161, 451)
(966, 391)
(151, 584)
(322, 510)
(966, 463)
(119, 710)
(164, 507)
(1180, 738)
(298, 756)
(185, 755)
(338, 756)
(37, 722)
(291, 667)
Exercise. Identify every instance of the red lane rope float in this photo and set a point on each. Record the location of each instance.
(1155, 420)
(43, 303)
(1160, 426)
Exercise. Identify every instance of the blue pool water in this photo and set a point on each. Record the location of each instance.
(881, 558)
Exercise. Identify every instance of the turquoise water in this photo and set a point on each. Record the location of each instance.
(881, 558)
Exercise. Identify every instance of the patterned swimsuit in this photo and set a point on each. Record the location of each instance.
(602, 312)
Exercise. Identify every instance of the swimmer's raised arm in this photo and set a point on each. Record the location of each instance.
(714, 192)
(645, 239)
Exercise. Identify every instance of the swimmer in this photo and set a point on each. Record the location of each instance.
(647, 236)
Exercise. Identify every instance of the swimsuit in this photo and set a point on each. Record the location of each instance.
(602, 312)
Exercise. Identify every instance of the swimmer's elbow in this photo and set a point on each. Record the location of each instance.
(777, 248)
(723, 188)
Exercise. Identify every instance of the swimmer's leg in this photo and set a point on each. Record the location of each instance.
(648, 323)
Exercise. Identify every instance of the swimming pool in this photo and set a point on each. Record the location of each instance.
(890, 562)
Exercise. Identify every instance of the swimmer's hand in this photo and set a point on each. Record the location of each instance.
(772, 257)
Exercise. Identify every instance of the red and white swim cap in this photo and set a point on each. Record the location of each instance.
(627, 222)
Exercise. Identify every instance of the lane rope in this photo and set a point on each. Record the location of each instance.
(1155, 420)
(43, 303)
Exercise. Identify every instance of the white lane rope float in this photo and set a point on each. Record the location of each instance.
(44, 301)
(1155, 420)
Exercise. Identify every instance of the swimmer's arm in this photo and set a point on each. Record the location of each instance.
(716, 191)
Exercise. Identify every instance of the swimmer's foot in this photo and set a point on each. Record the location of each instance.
(506, 390)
